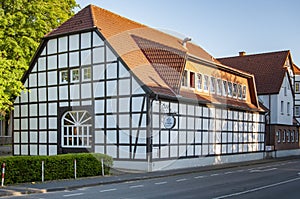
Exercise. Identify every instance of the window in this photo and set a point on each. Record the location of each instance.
(278, 136)
(288, 108)
(284, 136)
(64, 76)
(235, 91)
(184, 79)
(199, 81)
(293, 136)
(297, 110)
(206, 83)
(75, 75)
(240, 92)
(288, 136)
(285, 91)
(297, 88)
(212, 84)
(219, 86)
(297, 136)
(225, 88)
(76, 129)
(281, 107)
(229, 89)
(87, 73)
(192, 80)
(244, 92)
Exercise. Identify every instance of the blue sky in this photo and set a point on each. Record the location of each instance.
(222, 27)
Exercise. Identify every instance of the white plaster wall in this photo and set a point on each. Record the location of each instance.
(285, 118)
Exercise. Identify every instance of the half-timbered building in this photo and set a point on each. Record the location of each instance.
(103, 83)
(275, 76)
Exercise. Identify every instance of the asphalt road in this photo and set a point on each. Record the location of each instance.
(270, 180)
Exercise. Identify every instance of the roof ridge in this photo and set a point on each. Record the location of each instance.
(255, 54)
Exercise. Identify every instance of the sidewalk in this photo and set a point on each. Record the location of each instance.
(60, 185)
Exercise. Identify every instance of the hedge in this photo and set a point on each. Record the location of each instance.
(20, 169)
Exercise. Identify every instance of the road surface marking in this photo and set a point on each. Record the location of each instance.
(180, 180)
(228, 172)
(107, 190)
(258, 188)
(159, 183)
(264, 170)
(74, 194)
(197, 177)
(136, 186)
(214, 174)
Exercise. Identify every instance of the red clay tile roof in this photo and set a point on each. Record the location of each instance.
(268, 69)
(156, 58)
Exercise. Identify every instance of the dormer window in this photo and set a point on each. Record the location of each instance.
(212, 84)
(240, 92)
(229, 89)
(219, 86)
(206, 83)
(184, 78)
(244, 92)
(235, 91)
(199, 81)
(225, 88)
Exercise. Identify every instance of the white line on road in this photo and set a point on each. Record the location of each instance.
(180, 180)
(136, 186)
(228, 172)
(197, 177)
(263, 170)
(214, 174)
(258, 188)
(74, 194)
(159, 183)
(107, 190)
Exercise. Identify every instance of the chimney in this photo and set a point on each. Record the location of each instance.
(242, 53)
(185, 40)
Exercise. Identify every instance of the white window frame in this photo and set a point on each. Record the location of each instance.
(184, 81)
(85, 71)
(76, 129)
(278, 136)
(212, 85)
(219, 86)
(64, 76)
(224, 88)
(230, 89)
(244, 92)
(199, 81)
(206, 83)
(75, 77)
(284, 136)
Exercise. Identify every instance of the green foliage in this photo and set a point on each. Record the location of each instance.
(20, 169)
(23, 23)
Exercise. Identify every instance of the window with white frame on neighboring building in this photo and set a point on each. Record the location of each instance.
(297, 87)
(284, 136)
(288, 108)
(282, 107)
(288, 136)
(293, 136)
(235, 90)
(297, 110)
(278, 136)
(199, 81)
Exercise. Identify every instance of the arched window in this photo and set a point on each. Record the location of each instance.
(76, 129)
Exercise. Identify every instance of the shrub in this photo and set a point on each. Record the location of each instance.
(20, 169)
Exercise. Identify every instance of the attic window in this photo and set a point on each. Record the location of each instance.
(192, 80)
(212, 84)
(184, 78)
(244, 92)
(199, 81)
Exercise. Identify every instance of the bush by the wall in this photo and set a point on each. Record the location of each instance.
(20, 169)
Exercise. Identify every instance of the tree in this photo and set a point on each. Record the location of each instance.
(23, 23)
